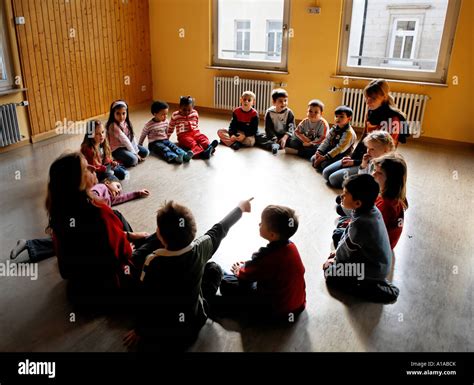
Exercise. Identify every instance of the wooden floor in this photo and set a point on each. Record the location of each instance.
(433, 266)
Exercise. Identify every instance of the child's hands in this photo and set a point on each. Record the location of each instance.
(240, 137)
(347, 161)
(114, 164)
(307, 144)
(282, 142)
(236, 267)
(143, 193)
(137, 236)
(318, 159)
(245, 206)
(365, 160)
(140, 159)
(131, 339)
(330, 261)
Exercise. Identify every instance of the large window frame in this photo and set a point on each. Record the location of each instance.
(5, 84)
(439, 75)
(240, 61)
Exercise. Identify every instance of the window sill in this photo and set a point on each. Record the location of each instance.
(12, 91)
(390, 80)
(264, 71)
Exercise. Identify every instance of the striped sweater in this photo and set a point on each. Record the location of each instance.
(154, 131)
(183, 123)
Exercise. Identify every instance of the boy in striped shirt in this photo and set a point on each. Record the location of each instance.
(186, 121)
(157, 132)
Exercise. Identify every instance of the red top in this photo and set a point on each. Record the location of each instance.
(393, 214)
(95, 250)
(279, 273)
(96, 162)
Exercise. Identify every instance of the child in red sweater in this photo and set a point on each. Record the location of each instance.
(96, 149)
(186, 123)
(391, 174)
(271, 283)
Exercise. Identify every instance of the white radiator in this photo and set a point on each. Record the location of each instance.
(9, 128)
(227, 92)
(412, 105)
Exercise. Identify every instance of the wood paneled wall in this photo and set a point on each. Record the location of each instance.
(78, 56)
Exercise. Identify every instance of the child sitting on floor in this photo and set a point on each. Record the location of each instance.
(186, 123)
(390, 172)
(243, 126)
(338, 142)
(110, 193)
(363, 257)
(310, 133)
(157, 132)
(123, 142)
(279, 123)
(271, 284)
(95, 147)
(177, 280)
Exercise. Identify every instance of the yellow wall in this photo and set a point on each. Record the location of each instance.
(179, 64)
(18, 96)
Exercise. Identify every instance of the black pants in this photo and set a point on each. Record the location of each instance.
(43, 248)
(262, 141)
(179, 336)
(304, 152)
(380, 291)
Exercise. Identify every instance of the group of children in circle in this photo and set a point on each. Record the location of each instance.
(371, 208)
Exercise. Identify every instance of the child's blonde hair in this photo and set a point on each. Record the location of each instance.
(89, 141)
(395, 169)
(248, 94)
(381, 137)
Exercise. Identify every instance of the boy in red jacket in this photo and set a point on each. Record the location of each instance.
(272, 283)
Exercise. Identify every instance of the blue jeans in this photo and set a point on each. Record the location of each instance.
(335, 174)
(128, 158)
(166, 149)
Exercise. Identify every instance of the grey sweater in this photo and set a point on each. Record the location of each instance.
(366, 241)
(278, 124)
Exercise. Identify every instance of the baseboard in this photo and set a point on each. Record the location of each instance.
(22, 143)
(44, 136)
(445, 142)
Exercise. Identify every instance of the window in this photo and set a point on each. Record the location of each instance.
(6, 81)
(251, 34)
(398, 39)
(242, 38)
(274, 39)
(402, 46)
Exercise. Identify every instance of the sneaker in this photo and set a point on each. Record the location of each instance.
(172, 158)
(214, 144)
(275, 148)
(235, 146)
(20, 246)
(179, 158)
(206, 154)
(188, 156)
